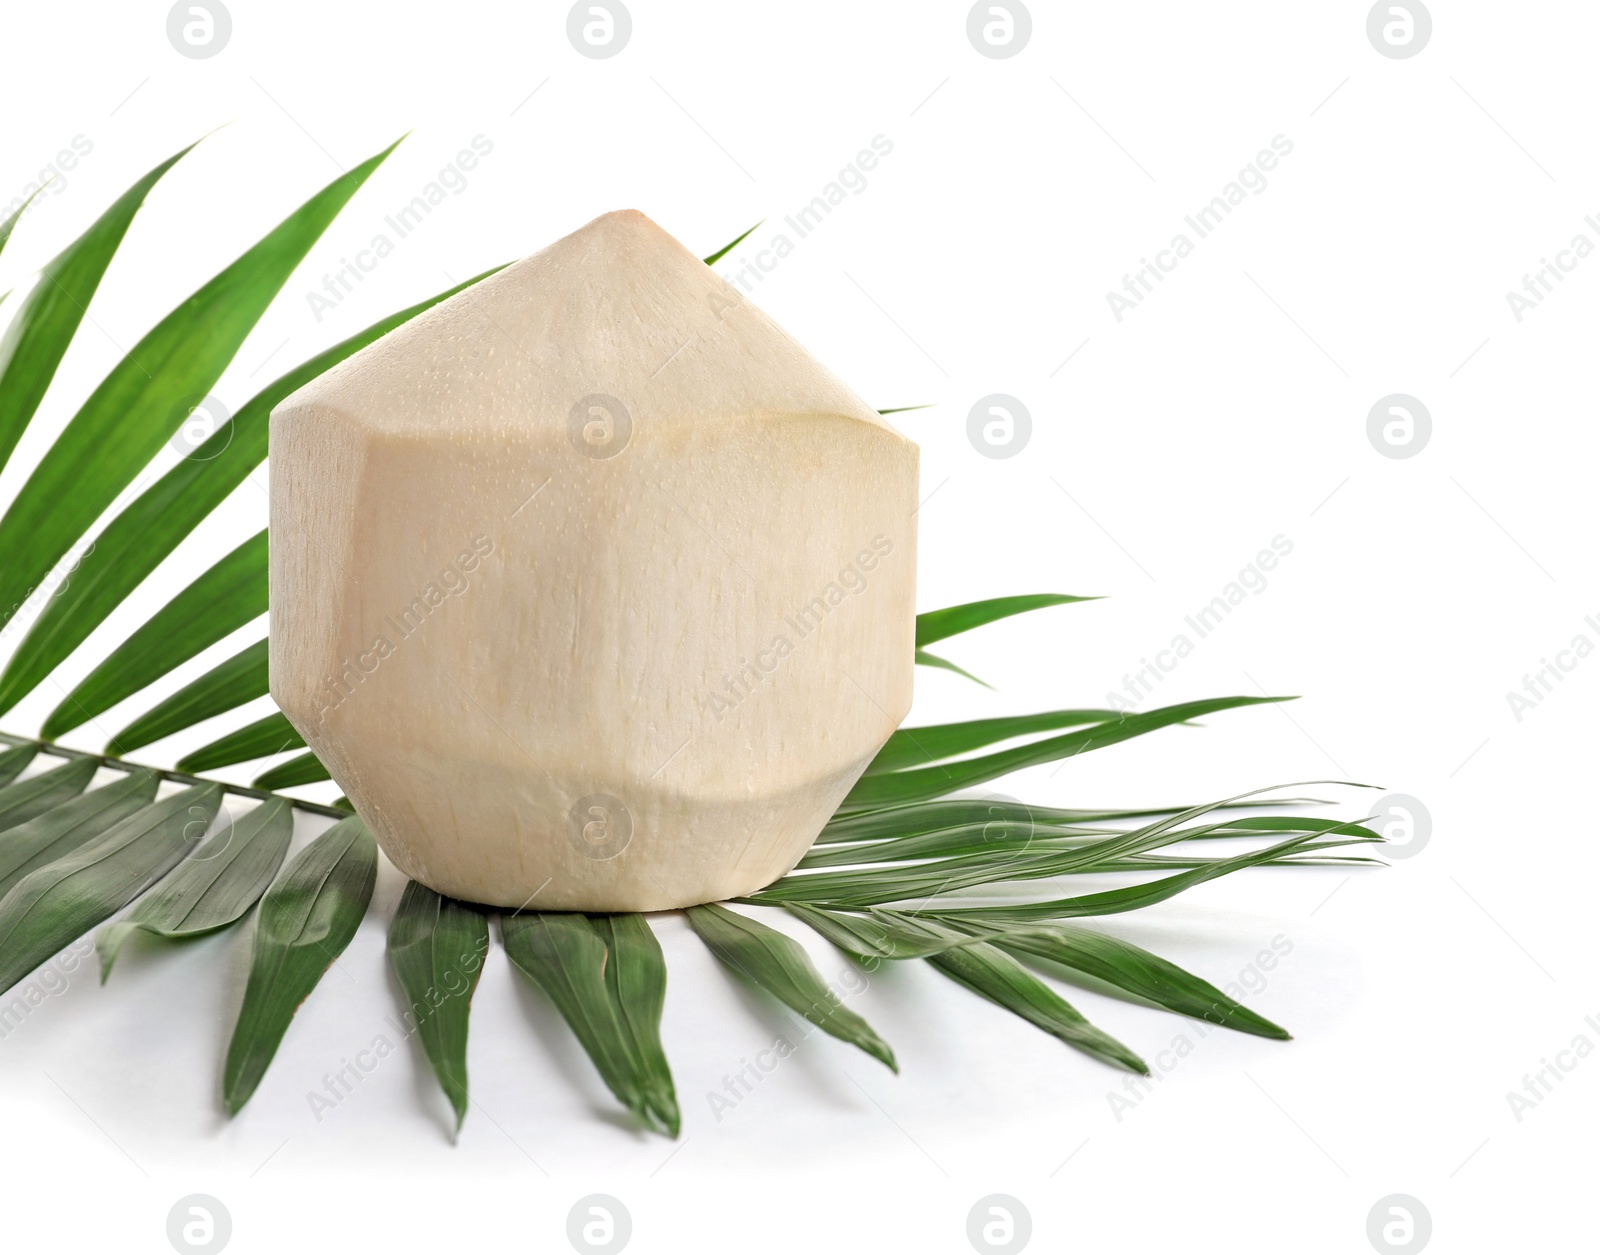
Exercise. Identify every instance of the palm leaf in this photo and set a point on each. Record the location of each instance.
(223, 599)
(437, 947)
(936, 625)
(303, 924)
(231, 683)
(128, 418)
(914, 747)
(879, 935)
(306, 769)
(636, 979)
(14, 761)
(69, 859)
(923, 784)
(212, 890)
(729, 247)
(53, 906)
(924, 659)
(771, 961)
(1136, 971)
(134, 543)
(38, 336)
(21, 801)
(71, 825)
(993, 974)
(9, 223)
(566, 956)
(271, 734)
(1136, 897)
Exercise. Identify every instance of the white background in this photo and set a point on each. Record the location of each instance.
(1229, 408)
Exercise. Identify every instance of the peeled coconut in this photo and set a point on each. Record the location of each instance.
(590, 586)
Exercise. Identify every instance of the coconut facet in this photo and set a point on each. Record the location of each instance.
(590, 586)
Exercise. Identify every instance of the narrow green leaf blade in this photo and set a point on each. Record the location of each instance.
(926, 817)
(37, 337)
(1136, 971)
(135, 409)
(306, 769)
(68, 827)
(1136, 897)
(730, 246)
(878, 935)
(1017, 837)
(936, 625)
(776, 963)
(437, 947)
(305, 921)
(221, 600)
(924, 659)
(9, 224)
(16, 759)
(134, 543)
(212, 890)
(995, 975)
(925, 783)
(21, 801)
(55, 905)
(271, 734)
(566, 956)
(231, 683)
(636, 978)
(915, 747)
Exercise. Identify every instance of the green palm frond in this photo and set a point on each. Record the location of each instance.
(891, 878)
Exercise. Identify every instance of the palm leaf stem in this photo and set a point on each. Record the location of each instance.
(177, 777)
